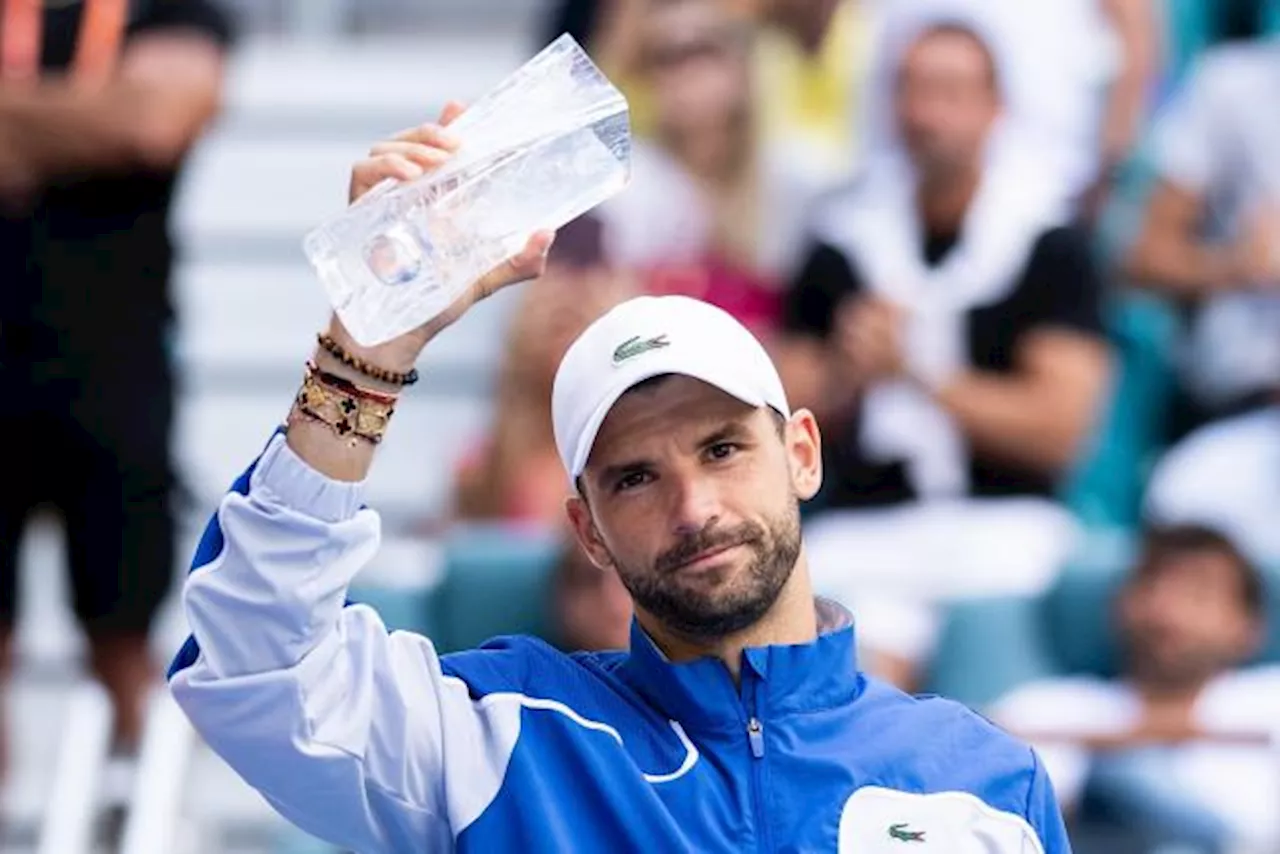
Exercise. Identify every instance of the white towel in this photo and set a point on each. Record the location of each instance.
(878, 225)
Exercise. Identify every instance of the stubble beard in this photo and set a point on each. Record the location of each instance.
(710, 614)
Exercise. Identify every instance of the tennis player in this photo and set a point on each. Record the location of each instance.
(737, 722)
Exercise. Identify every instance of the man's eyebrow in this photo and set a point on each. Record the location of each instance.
(729, 432)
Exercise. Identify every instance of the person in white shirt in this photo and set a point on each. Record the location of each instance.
(1210, 230)
(1079, 73)
(1184, 735)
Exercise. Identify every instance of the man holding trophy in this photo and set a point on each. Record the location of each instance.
(738, 720)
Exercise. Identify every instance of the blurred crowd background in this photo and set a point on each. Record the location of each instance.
(1022, 259)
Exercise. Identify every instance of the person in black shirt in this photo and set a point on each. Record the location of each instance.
(946, 329)
(99, 102)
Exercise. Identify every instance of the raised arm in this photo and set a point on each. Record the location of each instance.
(1180, 249)
(1039, 414)
(354, 734)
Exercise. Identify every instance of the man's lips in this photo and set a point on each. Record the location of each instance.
(704, 557)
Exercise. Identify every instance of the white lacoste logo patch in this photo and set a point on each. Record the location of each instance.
(877, 820)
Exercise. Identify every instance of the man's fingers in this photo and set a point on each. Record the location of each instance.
(432, 134)
(451, 111)
(371, 171)
(529, 264)
(390, 165)
(426, 156)
(538, 246)
(878, 321)
(532, 260)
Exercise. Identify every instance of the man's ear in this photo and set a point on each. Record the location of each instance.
(804, 453)
(586, 532)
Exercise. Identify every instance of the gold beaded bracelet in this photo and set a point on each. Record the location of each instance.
(333, 348)
(351, 411)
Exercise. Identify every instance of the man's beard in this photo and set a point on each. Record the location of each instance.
(708, 615)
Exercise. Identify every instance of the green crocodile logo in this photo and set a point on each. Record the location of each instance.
(901, 834)
(633, 347)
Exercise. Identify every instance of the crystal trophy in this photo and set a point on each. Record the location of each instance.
(546, 145)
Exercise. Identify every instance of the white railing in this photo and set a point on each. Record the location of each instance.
(160, 782)
(71, 812)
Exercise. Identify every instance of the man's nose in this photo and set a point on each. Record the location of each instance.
(695, 504)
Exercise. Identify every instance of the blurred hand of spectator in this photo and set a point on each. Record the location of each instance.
(1255, 255)
(867, 342)
(1171, 253)
(145, 117)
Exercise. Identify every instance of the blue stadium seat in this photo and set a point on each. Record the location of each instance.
(496, 582)
(401, 609)
(988, 646)
(1106, 490)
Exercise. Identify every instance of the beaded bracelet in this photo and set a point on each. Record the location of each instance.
(333, 348)
(349, 410)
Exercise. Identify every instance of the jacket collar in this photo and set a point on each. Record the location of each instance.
(776, 680)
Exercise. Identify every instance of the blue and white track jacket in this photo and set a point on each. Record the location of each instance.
(372, 741)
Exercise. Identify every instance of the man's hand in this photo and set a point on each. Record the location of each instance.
(1255, 256)
(405, 157)
(867, 342)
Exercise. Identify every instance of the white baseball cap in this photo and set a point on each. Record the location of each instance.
(646, 337)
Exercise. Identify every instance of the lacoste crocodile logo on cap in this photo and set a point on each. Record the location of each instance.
(633, 347)
(902, 834)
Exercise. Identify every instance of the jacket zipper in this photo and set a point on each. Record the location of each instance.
(755, 740)
(755, 735)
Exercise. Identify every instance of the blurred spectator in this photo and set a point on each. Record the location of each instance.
(1178, 748)
(946, 331)
(712, 210)
(1226, 475)
(812, 62)
(1211, 229)
(99, 103)
(515, 474)
(591, 610)
(806, 61)
(1077, 75)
